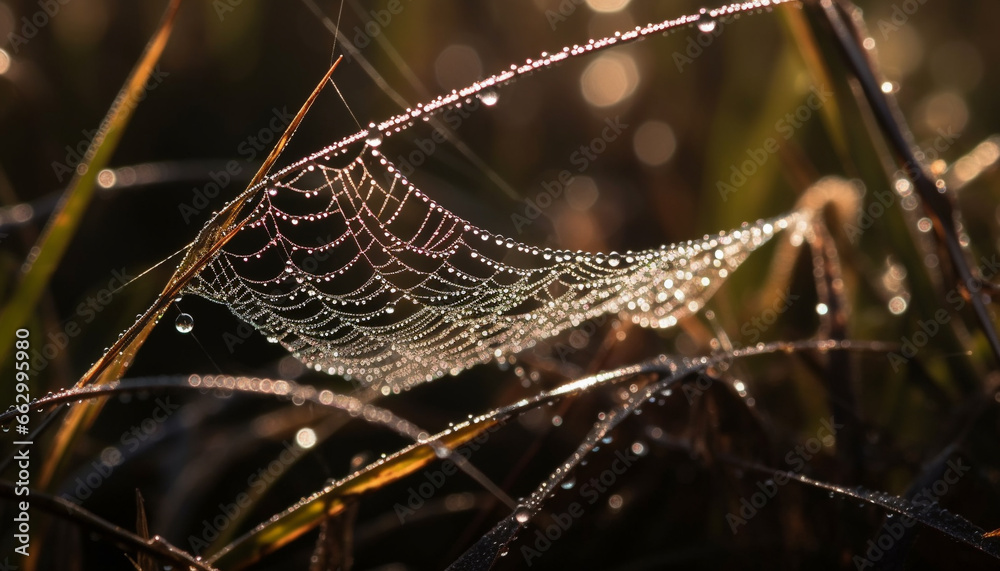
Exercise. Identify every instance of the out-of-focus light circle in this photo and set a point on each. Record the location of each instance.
(106, 178)
(290, 368)
(897, 305)
(654, 143)
(582, 193)
(4, 62)
(457, 65)
(945, 112)
(902, 52)
(111, 456)
(609, 79)
(607, 6)
(305, 438)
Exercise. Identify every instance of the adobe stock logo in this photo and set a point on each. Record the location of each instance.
(796, 460)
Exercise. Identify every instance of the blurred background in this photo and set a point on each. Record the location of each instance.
(689, 108)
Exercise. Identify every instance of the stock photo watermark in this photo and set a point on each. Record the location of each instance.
(785, 128)
(894, 530)
(435, 479)
(582, 158)
(911, 345)
(885, 199)
(37, 21)
(112, 456)
(697, 44)
(901, 13)
(257, 482)
(796, 460)
(590, 493)
(249, 149)
(74, 162)
(85, 313)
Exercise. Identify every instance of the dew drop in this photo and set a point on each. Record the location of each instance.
(522, 515)
(184, 323)
(706, 24)
(568, 483)
(489, 97)
(374, 139)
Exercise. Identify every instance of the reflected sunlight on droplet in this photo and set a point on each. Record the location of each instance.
(609, 79)
(615, 502)
(305, 438)
(654, 143)
(457, 66)
(106, 178)
(897, 305)
(607, 6)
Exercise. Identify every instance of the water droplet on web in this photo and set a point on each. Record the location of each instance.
(568, 483)
(369, 343)
(522, 514)
(706, 24)
(489, 97)
(184, 323)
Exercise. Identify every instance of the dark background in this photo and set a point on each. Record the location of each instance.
(227, 75)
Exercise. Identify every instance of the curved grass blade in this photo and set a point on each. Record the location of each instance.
(113, 364)
(224, 226)
(490, 546)
(307, 514)
(933, 193)
(69, 212)
(67, 510)
(930, 515)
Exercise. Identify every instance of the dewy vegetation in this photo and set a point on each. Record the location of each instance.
(521, 402)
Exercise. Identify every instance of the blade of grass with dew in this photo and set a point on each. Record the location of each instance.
(307, 514)
(838, 26)
(113, 364)
(65, 221)
(69, 511)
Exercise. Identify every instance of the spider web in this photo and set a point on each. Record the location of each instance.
(360, 274)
